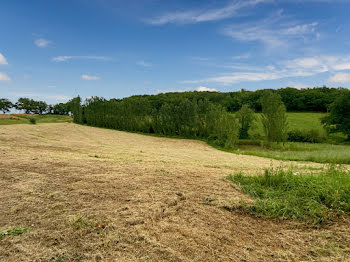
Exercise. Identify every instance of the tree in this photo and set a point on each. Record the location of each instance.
(245, 118)
(40, 106)
(76, 109)
(338, 119)
(5, 105)
(274, 118)
(24, 104)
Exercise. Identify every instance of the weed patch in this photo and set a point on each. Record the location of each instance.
(15, 231)
(313, 198)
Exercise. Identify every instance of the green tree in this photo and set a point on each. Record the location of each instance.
(76, 109)
(24, 104)
(5, 105)
(41, 107)
(245, 118)
(274, 118)
(338, 119)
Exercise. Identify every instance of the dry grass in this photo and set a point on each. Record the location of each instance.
(4, 116)
(90, 194)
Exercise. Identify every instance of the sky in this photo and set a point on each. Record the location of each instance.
(54, 50)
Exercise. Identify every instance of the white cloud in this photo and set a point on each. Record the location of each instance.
(144, 64)
(4, 77)
(67, 58)
(340, 78)
(204, 15)
(41, 42)
(205, 89)
(300, 67)
(88, 77)
(3, 60)
(273, 32)
(298, 85)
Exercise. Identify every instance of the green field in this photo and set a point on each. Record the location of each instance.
(301, 121)
(39, 119)
(328, 152)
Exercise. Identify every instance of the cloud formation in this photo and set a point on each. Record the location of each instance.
(205, 89)
(41, 42)
(67, 58)
(306, 66)
(340, 78)
(4, 77)
(274, 31)
(204, 15)
(88, 77)
(3, 60)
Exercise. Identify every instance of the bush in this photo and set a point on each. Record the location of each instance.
(309, 136)
(32, 121)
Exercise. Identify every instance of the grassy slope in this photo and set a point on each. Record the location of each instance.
(301, 121)
(321, 153)
(38, 118)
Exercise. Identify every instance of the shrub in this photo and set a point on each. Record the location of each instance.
(309, 136)
(32, 121)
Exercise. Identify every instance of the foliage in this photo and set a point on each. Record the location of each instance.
(274, 118)
(308, 136)
(339, 118)
(76, 109)
(32, 121)
(5, 105)
(31, 106)
(185, 118)
(312, 198)
(245, 118)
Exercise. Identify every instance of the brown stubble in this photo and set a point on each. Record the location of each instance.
(103, 195)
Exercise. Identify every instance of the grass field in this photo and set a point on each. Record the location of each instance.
(77, 193)
(302, 121)
(24, 119)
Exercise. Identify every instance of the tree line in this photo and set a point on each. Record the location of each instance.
(189, 118)
(317, 99)
(30, 106)
(206, 115)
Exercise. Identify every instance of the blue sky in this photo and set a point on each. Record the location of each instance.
(54, 50)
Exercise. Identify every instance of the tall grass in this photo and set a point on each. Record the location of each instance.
(320, 153)
(313, 198)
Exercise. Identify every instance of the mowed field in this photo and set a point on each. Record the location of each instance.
(91, 194)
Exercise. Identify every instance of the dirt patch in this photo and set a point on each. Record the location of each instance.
(4, 116)
(25, 115)
(91, 194)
